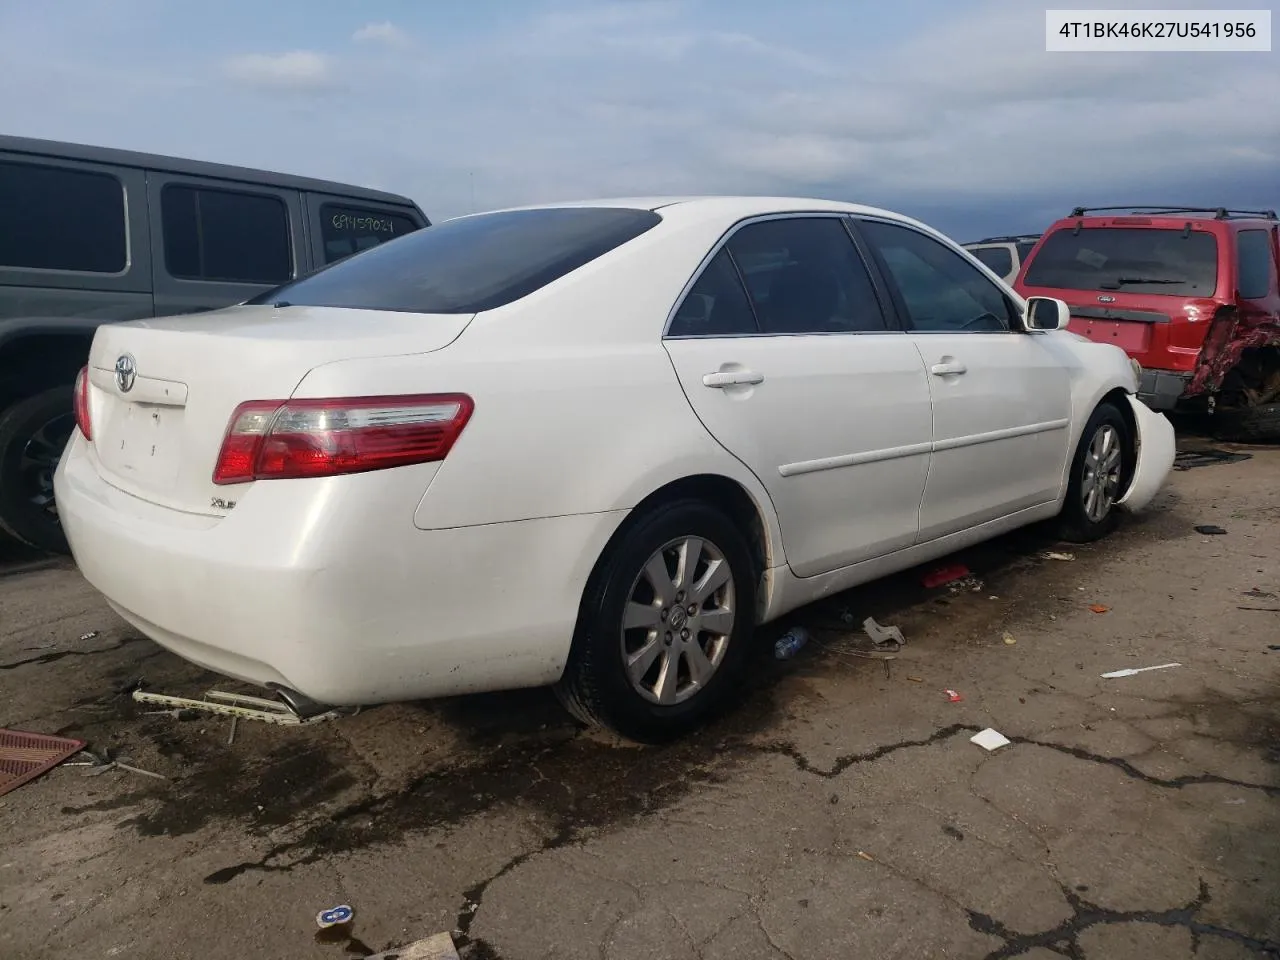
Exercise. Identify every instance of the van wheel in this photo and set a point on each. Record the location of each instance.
(33, 434)
(1101, 468)
(665, 625)
(1258, 424)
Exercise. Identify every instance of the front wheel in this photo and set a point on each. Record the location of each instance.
(1102, 466)
(665, 625)
(33, 433)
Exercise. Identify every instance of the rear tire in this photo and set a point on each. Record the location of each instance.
(659, 649)
(33, 433)
(1259, 424)
(1100, 472)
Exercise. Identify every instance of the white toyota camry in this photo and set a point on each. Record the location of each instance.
(589, 445)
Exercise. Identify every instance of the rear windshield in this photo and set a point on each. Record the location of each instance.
(1133, 260)
(469, 264)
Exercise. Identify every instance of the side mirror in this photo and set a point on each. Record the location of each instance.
(1047, 313)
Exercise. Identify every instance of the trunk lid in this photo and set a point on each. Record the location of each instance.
(159, 439)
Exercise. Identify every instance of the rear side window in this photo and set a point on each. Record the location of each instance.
(56, 218)
(469, 264)
(997, 259)
(1256, 264)
(225, 235)
(347, 230)
(717, 306)
(1024, 251)
(1131, 259)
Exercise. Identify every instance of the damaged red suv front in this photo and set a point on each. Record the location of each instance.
(1190, 294)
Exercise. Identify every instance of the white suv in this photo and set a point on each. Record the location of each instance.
(1003, 255)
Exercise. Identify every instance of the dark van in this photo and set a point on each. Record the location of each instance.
(90, 235)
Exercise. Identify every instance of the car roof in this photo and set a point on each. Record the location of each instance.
(56, 149)
(716, 207)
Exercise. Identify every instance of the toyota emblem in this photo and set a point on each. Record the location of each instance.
(126, 372)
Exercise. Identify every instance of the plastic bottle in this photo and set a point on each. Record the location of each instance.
(789, 644)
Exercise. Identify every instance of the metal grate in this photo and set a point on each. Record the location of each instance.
(1187, 459)
(24, 756)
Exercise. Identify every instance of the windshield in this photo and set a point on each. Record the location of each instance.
(1133, 260)
(470, 264)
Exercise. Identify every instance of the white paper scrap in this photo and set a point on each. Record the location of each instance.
(990, 739)
(1130, 672)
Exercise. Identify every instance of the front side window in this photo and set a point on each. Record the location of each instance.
(943, 293)
(804, 275)
(227, 236)
(997, 259)
(1256, 264)
(57, 218)
(1133, 259)
(346, 230)
(470, 264)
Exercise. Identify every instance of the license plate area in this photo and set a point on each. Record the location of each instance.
(1129, 335)
(141, 443)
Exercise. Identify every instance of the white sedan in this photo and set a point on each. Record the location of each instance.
(589, 445)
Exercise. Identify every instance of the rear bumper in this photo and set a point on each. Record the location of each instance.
(318, 587)
(1161, 389)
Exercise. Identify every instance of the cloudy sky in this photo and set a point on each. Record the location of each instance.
(952, 112)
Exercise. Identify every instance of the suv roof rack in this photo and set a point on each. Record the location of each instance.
(1013, 238)
(1218, 213)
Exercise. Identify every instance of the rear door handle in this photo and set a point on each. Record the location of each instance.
(948, 368)
(731, 378)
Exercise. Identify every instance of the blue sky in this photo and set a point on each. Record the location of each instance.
(952, 112)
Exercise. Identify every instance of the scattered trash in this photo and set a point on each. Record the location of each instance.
(24, 756)
(1051, 555)
(92, 634)
(1273, 646)
(953, 696)
(236, 705)
(105, 761)
(1210, 530)
(1235, 802)
(1010, 639)
(1114, 674)
(885, 638)
(1099, 608)
(866, 856)
(439, 947)
(789, 644)
(1261, 609)
(1188, 459)
(846, 615)
(1260, 594)
(990, 739)
(944, 575)
(334, 916)
(231, 734)
(916, 679)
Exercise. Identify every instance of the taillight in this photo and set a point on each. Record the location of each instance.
(291, 439)
(82, 403)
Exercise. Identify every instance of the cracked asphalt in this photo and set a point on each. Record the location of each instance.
(840, 811)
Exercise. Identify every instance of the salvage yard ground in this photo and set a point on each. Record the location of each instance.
(838, 813)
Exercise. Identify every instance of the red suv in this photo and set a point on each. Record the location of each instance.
(1190, 293)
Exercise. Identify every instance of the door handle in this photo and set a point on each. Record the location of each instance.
(948, 367)
(729, 378)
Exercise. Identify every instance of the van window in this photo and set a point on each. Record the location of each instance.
(223, 235)
(347, 230)
(57, 218)
(469, 264)
(1134, 260)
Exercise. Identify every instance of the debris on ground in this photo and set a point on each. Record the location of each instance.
(883, 638)
(1099, 608)
(789, 644)
(334, 916)
(91, 635)
(439, 947)
(1187, 459)
(953, 696)
(944, 575)
(24, 756)
(1257, 594)
(1009, 639)
(1261, 609)
(105, 761)
(1273, 646)
(916, 679)
(1052, 555)
(1114, 674)
(972, 584)
(1210, 530)
(866, 856)
(990, 739)
(236, 705)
